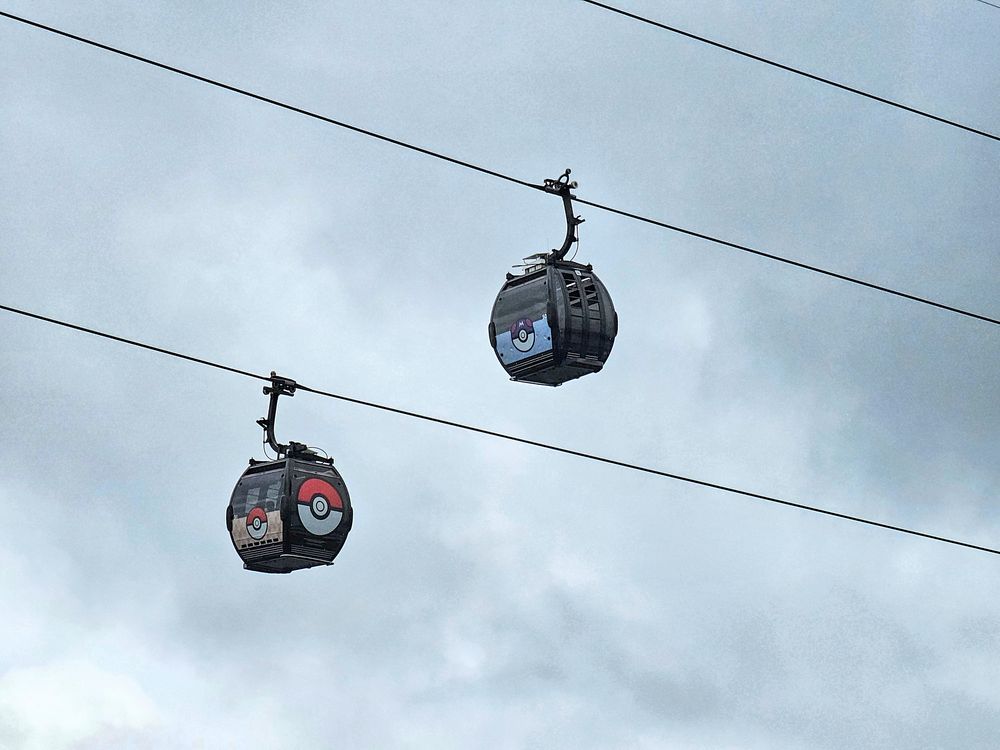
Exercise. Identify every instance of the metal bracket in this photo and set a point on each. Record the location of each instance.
(279, 387)
(562, 187)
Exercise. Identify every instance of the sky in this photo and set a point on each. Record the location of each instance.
(491, 594)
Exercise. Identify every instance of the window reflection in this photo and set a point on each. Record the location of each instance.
(262, 490)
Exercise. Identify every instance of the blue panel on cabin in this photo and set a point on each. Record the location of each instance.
(525, 338)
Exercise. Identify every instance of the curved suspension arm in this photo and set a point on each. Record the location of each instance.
(562, 187)
(279, 387)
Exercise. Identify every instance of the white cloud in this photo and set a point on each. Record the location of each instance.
(63, 704)
(493, 595)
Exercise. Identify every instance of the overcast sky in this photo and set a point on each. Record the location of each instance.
(494, 595)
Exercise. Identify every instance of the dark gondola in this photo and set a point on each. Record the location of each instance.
(290, 513)
(554, 322)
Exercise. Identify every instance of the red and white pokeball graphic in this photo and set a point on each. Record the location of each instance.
(257, 523)
(522, 335)
(320, 506)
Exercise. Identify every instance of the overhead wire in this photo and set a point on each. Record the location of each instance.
(266, 100)
(791, 262)
(497, 174)
(504, 436)
(790, 69)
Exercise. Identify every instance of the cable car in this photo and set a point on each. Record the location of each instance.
(555, 321)
(290, 513)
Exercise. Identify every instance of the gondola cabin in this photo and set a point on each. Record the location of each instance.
(289, 514)
(553, 323)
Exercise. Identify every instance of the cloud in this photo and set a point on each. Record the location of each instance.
(493, 595)
(71, 704)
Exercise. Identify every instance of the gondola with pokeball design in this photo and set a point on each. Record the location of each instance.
(290, 513)
(554, 322)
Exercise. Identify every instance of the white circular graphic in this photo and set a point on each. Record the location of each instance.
(522, 335)
(257, 523)
(320, 506)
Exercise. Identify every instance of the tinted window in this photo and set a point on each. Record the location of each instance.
(527, 300)
(262, 490)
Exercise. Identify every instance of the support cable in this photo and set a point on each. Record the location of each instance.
(494, 173)
(790, 69)
(506, 436)
(791, 262)
(265, 99)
